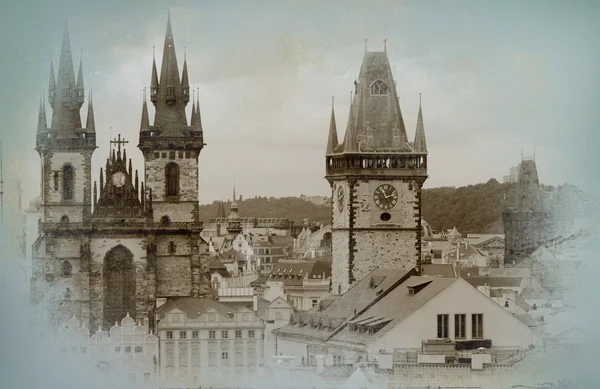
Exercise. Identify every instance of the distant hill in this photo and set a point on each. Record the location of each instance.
(472, 209)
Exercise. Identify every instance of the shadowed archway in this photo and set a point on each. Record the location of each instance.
(119, 285)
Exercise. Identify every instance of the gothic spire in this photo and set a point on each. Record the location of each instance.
(67, 98)
(42, 122)
(185, 83)
(332, 141)
(80, 75)
(51, 85)
(90, 123)
(154, 81)
(198, 117)
(350, 145)
(169, 97)
(145, 124)
(193, 117)
(420, 144)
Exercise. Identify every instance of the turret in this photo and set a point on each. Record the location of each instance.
(420, 145)
(332, 140)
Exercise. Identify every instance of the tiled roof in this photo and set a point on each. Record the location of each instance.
(292, 272)
(395, 307)
(260, 281)
(281, 241)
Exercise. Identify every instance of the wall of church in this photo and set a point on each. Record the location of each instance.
(53, 188)
(188, 174)
(177, 212)
(173, 276)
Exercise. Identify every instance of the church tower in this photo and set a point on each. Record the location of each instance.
(376, 176)
(171, 147)
(66, 147)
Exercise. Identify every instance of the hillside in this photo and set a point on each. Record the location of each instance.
(472, 209)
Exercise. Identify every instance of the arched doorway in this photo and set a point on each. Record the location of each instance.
(119, 285)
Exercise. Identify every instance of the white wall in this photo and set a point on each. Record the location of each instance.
(498, 325)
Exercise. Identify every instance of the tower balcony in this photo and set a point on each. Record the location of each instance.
(185, 90)
(376, 165)
(154, 94)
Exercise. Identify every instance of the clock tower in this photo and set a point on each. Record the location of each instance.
(376, 176)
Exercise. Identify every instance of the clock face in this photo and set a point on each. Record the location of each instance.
(118, 179)
(340, 198)
(385, 197)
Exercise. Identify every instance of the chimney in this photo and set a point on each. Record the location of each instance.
(255, 303)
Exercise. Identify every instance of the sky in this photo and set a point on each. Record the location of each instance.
(495, 77)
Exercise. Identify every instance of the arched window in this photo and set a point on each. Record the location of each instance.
(67, 269)
(64, 219)
(379, 87)
(172, 247)
(67, 181)
(165, 220)
(172, 180)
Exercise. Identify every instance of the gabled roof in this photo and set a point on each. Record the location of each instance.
(494, 282)
(193, 306)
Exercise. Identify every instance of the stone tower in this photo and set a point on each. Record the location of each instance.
(376, 176)
(171, 147)
(66, 147)
(527, 224)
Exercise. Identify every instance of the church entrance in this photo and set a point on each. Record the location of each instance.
(119, 285)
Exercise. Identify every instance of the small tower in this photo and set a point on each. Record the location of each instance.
(66, 147)
(376, 176)
(170, 146)
(527, 224)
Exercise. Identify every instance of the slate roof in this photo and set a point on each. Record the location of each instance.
(395, 307)
(439, 270)
(336, 311)
(494, 282)
(191, 306)
(292, 271)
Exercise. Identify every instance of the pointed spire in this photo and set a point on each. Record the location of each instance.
(90, 123)
(185, 84)
(198, 117)
(366, 39)
(130, 173)
(193, 117)
(233, 198)
(154, 81)
(169, 72)
(80, 75)
(385, 37)
(42, 123)
(332, 141)
(137, 184)
(350, 144)
(102, 179)
(51, 84)
(145, 123)
(66, 73)
(420, 144)
(142, 194)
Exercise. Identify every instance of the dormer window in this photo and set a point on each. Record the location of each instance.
(379, 87)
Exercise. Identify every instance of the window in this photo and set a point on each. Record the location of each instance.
(64, 219)
(251, 333)
(157, 155)
(67, 269)
(442, 326)
(224, 334)
(460, 326)
(68, 182)
(477, 325)
(138, 349)
(212, 334)
(182, 335)
(379, 87)
(172, 180)
(82, 350)
(181, 154)
(279, 315)
(117, 349)
(165, 220)
(169, 334)
(127, 349)
(56, 180)
(194, 334)
(147, 377)
(171, 247)
(238, 334)
(315, 302)
(224, 355)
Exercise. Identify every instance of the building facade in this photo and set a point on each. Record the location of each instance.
(104, 254)
(376, 176)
